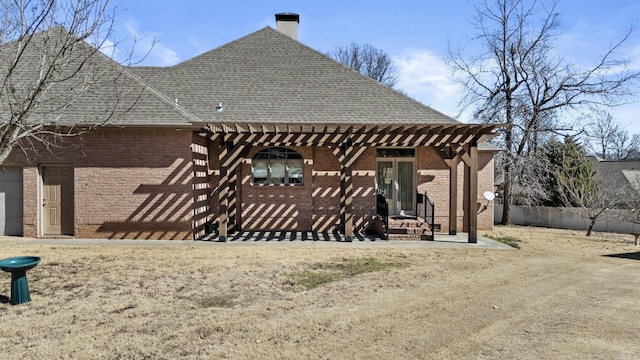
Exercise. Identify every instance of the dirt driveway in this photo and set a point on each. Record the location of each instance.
(560, 296)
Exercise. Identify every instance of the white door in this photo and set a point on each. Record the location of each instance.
(11, 201)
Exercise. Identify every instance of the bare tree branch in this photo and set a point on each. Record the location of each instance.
(601, 130)
(368, 60)
(48, 71)
(518, 78)
(588, 199)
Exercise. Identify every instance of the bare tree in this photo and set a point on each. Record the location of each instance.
(533, 171)
(631, 205)
(588, 199)
(625, 146)
(577, 185)
(518, 78)
(601, 131)
(608, 140)
(368, 60)
(48, 71)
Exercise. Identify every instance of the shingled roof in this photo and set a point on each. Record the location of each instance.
(90, 88)
(618, 173)
(267, 77)
(264, 77)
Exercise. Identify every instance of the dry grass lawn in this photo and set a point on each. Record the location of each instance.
(560, 296)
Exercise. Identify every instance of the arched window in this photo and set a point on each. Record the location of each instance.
(277, 166)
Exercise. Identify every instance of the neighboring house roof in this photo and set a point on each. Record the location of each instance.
(485, 146)
(617, 175)
(633, 177)
(270, 78)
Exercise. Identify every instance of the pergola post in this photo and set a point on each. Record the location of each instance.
(346, 190)
(223, 193)
(346, 202)
(472, 195)
(453, 194)
(230, 158)
(347, 155)
(454, 143)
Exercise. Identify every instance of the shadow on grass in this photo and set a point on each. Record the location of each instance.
(630, 256)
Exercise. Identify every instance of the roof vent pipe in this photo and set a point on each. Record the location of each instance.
(287, 23)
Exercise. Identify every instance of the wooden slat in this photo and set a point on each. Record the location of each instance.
(437, 135)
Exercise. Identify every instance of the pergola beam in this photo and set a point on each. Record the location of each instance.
(349, 142)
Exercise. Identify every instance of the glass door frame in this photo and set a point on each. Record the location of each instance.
(393, 200)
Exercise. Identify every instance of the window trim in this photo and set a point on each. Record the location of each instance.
(290, 156)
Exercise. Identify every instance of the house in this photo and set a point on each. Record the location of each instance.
(622, 176)
(264, 134)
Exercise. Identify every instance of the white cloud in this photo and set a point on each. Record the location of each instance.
(425, 77)
(164, 55)
(149, 46)
(108, 48)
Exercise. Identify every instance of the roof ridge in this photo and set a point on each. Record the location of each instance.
(374, 81)
(308, 86)
(197, 57)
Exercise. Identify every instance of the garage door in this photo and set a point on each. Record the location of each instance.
(10, 201)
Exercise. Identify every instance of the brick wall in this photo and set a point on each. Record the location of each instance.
(316, 205)
(364, 190)
(139, 184)
(485, 183)
(433, 176)
(276, 207)
(326, 190)
(127, 184)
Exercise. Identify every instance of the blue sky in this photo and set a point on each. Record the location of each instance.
(415, 33)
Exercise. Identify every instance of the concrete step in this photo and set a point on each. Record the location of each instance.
(414, 237)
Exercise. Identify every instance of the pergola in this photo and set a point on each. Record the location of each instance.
(453, 142)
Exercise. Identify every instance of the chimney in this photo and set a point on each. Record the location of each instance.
(287, 23)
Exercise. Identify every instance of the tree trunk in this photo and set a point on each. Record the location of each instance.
(591, 225)
(507, 196)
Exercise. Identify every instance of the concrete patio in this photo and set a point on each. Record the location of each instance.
(276, 238)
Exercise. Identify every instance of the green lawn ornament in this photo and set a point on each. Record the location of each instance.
(18, 267)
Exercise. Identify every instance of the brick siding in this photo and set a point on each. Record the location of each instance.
(162, 185)
(127, 184)
(315, 206)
